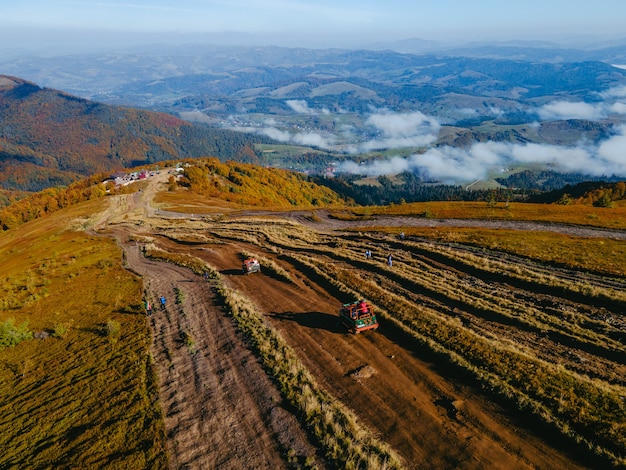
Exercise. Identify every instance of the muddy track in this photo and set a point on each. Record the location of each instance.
(433, 420)
(221, 410)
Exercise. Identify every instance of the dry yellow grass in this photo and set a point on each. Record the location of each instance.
(599, 255)
(84, 398)
(613, 218)
(416, 295)
(49, 388)
(345, 442)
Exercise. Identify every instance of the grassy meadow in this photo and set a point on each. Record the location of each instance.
(604, 256)
(599, 255)
(81, 393)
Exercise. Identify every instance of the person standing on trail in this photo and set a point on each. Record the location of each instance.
(368, 254)
(389, 260)
(162, 302)
(148, 307)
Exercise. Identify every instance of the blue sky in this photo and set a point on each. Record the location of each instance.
(308, 22)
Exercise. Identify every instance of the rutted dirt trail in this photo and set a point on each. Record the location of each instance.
(221, 410)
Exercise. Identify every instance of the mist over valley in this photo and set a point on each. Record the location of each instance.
(454, 116)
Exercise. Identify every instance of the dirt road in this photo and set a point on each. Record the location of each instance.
(431, 420)
(220, 408)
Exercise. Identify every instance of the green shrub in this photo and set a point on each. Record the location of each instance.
(180, 296)
(11, 335)
(112, 329)
(189, 341)
(59, 330)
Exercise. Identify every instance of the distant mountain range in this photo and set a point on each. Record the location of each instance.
(324, 98)
(219, 80)
(363, 105)
(48, 137)
(613, 52)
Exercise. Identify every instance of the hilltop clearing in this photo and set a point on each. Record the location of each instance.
(461, 373)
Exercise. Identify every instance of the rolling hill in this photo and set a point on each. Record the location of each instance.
(248, 87)
(169, 77)
(50, 138)
(502, 334)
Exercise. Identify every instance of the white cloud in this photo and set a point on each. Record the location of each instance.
(449, 165)
(495, 111)
(615, 92)
(400, 130)
(311, 139)
(452, 165)
(571, 110)
(300, 106)
(402, 125)
(611, 104)
(276, 134)
(618, 108)
(376, 168)
(613, 152)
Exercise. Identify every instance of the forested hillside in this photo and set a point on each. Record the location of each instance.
(50, 138)
(596, 193)
(525, 186)
(253, 185)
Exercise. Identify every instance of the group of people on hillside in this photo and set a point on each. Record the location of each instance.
(368, 252)
(368, 255)
(148, 305)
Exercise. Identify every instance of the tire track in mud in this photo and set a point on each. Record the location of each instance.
(331, 251)
(405, 399)
(220, 408)
(323, 221)
(553, 345)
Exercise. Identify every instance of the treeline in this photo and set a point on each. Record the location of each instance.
(551, 181)
(253, 185)
(525, 186)
(51, 200)
(411, 189)
(8, 197)
(596, 193)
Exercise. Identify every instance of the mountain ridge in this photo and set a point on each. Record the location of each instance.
(50, 137)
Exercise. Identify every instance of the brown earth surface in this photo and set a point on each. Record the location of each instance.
(222, 411)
